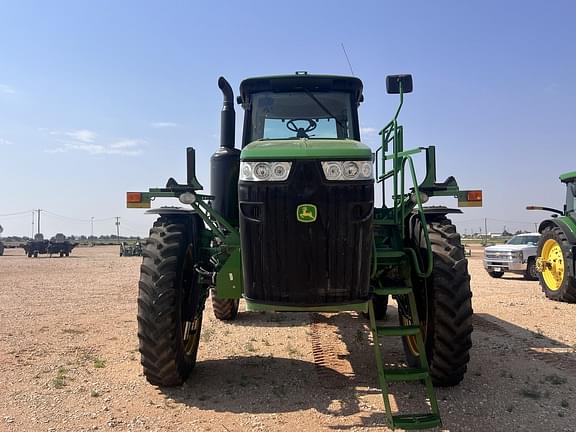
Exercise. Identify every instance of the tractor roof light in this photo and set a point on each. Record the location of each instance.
(187, 198)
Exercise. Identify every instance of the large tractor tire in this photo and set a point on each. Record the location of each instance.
(556, 266)
(170, 301)
(444, 302)
(225, 309)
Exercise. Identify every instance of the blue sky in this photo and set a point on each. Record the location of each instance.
(101, 97)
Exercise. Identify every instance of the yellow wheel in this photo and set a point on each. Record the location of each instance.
(556, 266)
(552, 262)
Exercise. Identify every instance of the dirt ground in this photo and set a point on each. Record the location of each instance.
(69, 360)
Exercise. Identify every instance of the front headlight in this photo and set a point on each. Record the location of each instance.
(347, 170)
(264, 171)
(518, 254)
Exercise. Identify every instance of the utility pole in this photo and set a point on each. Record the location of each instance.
(33, 217)
(91, 227)
(485, 231)
(118, 228)
(38, 221)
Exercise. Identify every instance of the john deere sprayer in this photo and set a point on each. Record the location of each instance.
(556, 261)
(291, 226)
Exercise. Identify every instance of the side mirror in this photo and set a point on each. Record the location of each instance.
(393, 84)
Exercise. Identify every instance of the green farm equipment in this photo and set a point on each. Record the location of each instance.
(291, 226)
(556, 262)
(128, 249)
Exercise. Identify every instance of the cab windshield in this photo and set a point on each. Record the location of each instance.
(523, 240)
(302, 114)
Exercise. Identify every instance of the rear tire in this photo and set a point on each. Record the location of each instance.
(225, 309)
(564, 288)
(170, 302)
(444, 304)
(496, 275)
(531, 272)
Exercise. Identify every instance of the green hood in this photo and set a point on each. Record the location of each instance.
(324, 149)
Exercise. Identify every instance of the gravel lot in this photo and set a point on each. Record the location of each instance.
(69, 360)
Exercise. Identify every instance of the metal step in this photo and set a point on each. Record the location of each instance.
(390, 253)
(384, 222)
(393, 290)
(411, 330)
(416, 421)
(405, 374)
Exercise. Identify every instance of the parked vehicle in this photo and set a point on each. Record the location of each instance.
(517, 255)
(130, 249)
(556, 262)
(291, 226)
(1, 244)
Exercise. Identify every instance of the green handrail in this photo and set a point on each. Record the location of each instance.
(410, 251)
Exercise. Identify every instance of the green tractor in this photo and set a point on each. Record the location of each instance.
(291, 226)
(556, 262)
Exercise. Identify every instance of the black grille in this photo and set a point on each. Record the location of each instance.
(319, 263)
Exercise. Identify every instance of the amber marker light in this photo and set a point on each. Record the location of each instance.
(474, 195)
(133, 197)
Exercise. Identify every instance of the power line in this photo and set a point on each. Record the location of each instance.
(15, 214)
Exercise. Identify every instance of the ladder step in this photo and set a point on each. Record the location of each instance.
(393, 290)
(416, 421)
(387, 253)
(398, 330)
(388, 222)
(405, 374)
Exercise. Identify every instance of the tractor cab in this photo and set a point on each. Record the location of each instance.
(570, 206)
(306, 192)
(300, 106)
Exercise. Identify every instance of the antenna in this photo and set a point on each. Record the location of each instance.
(347, 59)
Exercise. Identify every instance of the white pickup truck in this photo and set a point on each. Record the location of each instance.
(518, 255)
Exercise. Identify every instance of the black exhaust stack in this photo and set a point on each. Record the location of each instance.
(225, 162)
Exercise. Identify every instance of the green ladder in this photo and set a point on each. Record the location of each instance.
(388, 375)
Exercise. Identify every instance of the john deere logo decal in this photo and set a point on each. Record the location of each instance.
(306, 213)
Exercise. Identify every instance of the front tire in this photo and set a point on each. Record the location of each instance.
(444, 302)
(496, 275)
(555, 261)
(170, 301)
(531, 271)
(225, 309)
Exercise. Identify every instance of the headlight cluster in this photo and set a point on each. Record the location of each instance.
(264, 171)
(347, 170)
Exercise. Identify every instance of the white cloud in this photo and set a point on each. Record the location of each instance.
(124, 147)
(4, 142)
(368, 131)
(159, 125)
(124, 144)
(83, 135)
(84, 140)
(6, 89)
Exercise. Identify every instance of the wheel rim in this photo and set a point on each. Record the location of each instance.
(190, 329)
(553, 272)
(191, 335)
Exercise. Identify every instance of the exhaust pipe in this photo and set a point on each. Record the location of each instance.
(225, 162)
(228, 115)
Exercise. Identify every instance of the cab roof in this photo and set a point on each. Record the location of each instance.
(568, 177)
(301, 81)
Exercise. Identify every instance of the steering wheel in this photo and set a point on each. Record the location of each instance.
(301, 132)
